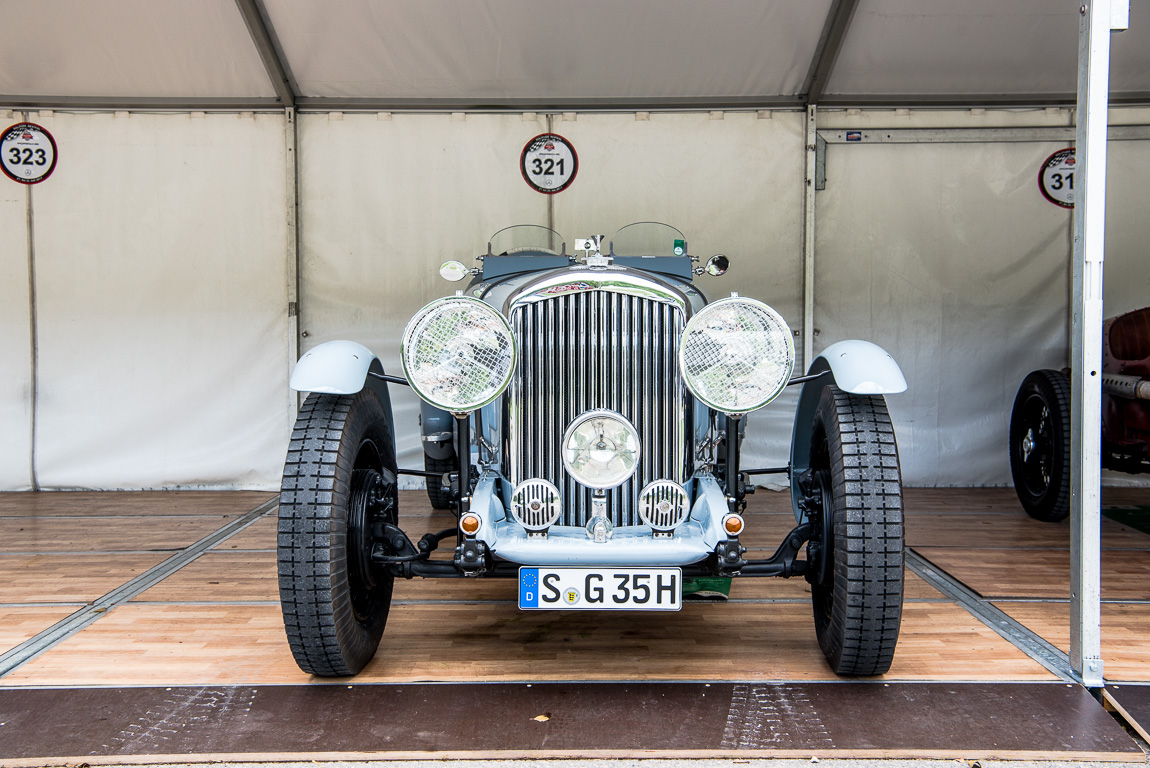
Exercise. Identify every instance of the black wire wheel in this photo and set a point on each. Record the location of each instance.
(440, 497)
(1040, 445)
(855, 492)
(338, 484)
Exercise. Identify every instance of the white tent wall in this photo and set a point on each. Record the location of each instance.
(732, 182)
(1126, 281)
(949, 257)
(1126, 271)
(385, 201)
(15, 340)
(163, 250)
(162, 245)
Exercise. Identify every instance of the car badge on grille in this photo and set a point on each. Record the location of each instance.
(557, 290)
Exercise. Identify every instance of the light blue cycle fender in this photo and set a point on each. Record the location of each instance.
(342, 368)
(334, 367)
(854, 366)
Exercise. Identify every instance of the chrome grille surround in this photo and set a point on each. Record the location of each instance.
(598, 338)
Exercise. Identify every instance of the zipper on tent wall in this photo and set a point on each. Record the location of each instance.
(33, 335)
(809, 181)
(291, 212)
(550, 198)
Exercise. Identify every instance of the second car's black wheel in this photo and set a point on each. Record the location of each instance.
(440, 497)
(339, 480)
(1040, 445)
(857, 504)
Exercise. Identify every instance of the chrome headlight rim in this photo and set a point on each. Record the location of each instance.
(728, 407)
(616, 417)
(502, 329)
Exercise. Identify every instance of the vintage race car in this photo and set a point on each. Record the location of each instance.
(1040, 419)
(582, 418)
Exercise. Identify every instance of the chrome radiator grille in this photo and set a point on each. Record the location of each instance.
(597, 349)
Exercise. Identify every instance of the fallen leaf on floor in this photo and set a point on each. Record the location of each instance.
(541, 718)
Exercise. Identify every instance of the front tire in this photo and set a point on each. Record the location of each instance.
(339, 480)
(1040, 445)
(857, 595)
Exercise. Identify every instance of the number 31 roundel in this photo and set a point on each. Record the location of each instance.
(549, 163)
(1056, 179)
(27, 153)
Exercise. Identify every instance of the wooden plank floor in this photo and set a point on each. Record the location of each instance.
(1022, 567)
(1041, 573)
(1125, 630)
(216, 620)
(135, 503)
(212, 632)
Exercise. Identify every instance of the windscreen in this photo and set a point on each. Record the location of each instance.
(648, 238)
(525, 239)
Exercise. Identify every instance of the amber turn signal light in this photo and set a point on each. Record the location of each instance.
(733, 525)
(469, 524)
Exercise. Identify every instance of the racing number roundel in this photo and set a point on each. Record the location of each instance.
(27, 153)
(549, 163)
(1056, 179)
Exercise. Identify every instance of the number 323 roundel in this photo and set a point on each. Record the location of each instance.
(27, 153)
(549, 163)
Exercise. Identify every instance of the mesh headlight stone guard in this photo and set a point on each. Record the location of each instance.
(736, 355)
(458, 353)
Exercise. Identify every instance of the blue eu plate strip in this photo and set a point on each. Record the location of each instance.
(529, 587)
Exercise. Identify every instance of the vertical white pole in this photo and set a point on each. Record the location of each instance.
(809, 242)
(1097, 20)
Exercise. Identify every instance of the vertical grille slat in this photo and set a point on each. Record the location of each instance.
(639, 397)
(597, 349)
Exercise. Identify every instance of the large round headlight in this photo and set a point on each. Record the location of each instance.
(736, 355)
(601, 449)
(458, 353)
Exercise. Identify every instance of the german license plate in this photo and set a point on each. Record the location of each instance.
(600, 589)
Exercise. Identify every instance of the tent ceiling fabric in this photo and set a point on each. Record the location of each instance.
(375, 53)
(128, 49)
(1021, 47)
(526, 49)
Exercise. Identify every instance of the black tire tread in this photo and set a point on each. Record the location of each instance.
(868, 534)
(325, 637)
(1054, 387)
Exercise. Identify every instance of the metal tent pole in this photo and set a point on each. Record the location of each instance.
(1098, 18)
(809, 237)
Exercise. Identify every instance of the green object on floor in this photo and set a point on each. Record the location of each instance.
(707, 587)
(1135, 517)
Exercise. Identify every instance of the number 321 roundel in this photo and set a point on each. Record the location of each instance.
(549, 163)
(27, 153)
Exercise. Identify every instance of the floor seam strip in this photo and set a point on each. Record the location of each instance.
(92, 552)
(91, 612)
(1011, 630)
